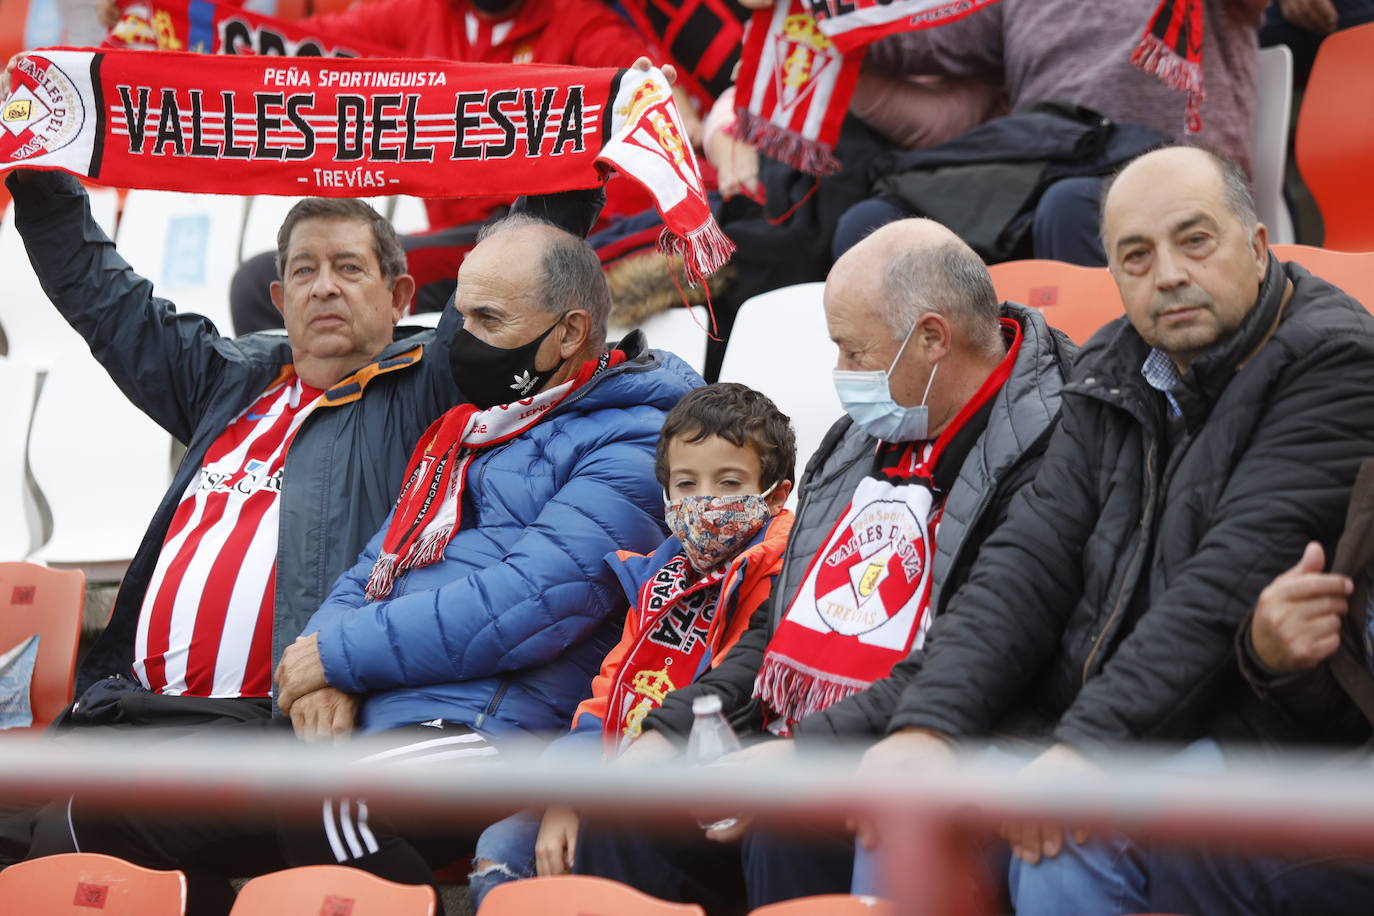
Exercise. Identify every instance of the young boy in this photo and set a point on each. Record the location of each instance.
(726, 458)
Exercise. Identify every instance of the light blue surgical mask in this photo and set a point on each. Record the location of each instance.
(867, 398)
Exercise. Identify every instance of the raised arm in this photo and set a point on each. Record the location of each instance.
(168, 365)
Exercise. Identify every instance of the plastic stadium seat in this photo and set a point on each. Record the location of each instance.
(187, 244)
(1336, 135)
(265, 216)
(578, 895)
(829, 905)
(407, 214)
(19, 382)
(780, 345)
(1273, 115)
(98, 519)
(676, 330)
(1351, 271)
(49, 602)
(331, 890)
(80, 884)
(1076, 300)
(36, 333)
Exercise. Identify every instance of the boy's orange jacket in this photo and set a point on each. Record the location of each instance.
(747, 583)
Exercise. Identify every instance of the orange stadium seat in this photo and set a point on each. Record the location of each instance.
(1351, 271)
(35, 599)
(577, 895)
(829, 905)
(1335, 138)
(331, 890)
(81, 883)
(1076, 300)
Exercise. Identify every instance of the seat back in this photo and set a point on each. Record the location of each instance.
(1335, 135)
(780, 345)
(680, 331)
(18, 537)
(1351, 271)
(829, 905)
(49, 602)
(82, 883)
(1273, 115)
(1076, 300)
(187, 244)
(98, 519)
(331, 890)
(578, 895)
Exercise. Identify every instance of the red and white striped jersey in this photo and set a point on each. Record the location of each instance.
(205, 629)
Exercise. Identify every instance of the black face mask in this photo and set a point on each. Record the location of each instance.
(489, 375)
(493, 6)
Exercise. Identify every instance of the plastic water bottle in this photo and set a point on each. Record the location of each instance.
(710, 739)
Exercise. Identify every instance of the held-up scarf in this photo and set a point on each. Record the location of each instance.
(864, 602)
(213, 28)
(702, 37)
(341, 127)
(677, 630)
(430, 507)
(801, 61)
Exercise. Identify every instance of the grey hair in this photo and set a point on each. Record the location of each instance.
(391, 257)
(1235, 191)
(949, 279)
(570, 274)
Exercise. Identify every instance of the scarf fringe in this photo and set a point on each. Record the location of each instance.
(785, 146)
(1173, 69)
(705, 250)
(382, 578)
(794, 691)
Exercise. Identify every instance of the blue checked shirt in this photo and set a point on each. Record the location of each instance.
(1163, 376)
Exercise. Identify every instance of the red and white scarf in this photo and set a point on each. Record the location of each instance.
(801, 61)
(430, 507)
(676, 631)
(864, 603)
(351, 127)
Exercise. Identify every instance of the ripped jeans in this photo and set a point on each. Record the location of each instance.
(509, 846)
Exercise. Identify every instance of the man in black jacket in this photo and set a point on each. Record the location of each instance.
(1205, 439)
(950, 400)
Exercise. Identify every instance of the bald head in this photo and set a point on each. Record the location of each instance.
(917, 265)
(554, 270)
(1184, 247)
(1193, 169)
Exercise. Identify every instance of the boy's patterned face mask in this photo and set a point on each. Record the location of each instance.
(713, 529)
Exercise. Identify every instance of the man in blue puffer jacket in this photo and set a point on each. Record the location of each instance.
(482, 609)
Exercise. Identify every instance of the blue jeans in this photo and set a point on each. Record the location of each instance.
(508, 846)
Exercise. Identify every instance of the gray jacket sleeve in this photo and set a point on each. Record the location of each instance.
(168, 365)
(970, 48)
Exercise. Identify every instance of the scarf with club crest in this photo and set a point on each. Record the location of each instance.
(356, 127)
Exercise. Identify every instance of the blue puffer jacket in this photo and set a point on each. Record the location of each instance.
(506, 632)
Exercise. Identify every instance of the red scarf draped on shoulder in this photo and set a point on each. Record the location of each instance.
(430, 507)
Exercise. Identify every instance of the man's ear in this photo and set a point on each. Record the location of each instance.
(577, 325)
(934, 334)
(275, 291)
(1259, 244)
(402, 291)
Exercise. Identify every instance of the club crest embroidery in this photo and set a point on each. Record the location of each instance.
(43, 113)
(804, 54)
